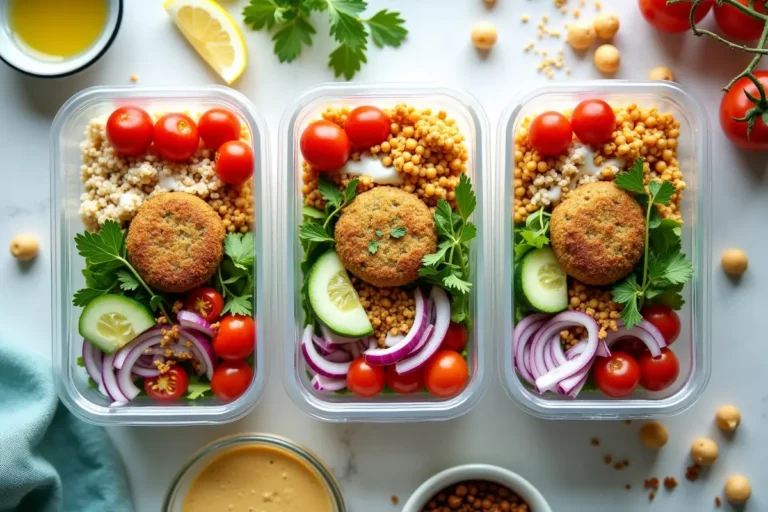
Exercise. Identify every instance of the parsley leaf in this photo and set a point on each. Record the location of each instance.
(627, 290)
(535, 233)
(238, 305)
(633, 179)
(465, 197)
(197, 389)
(262, 13)
(387, 28)
(80, 361)
(346, 28)
(155, 301)
(661, 192)
(665, 236)
(330, 191)
(373, 246)
(103, 247)
(235, 276)
(347, 60)
(240, 249)
(398, 232)
(290, 39)
(631, 314)
(379, 232)
(314, 232)
(127, 281)
(455, 282)
(671, 299)
(670, 268)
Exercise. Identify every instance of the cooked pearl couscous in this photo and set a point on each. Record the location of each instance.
(115, 186)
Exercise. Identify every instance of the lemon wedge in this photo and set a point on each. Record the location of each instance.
(213, 33)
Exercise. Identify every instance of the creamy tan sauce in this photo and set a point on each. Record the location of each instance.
(257, 479)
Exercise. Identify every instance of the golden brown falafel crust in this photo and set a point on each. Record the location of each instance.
(175, 241)
(397, 260)
(598, 233)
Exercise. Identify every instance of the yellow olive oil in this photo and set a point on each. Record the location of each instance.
(57, 29)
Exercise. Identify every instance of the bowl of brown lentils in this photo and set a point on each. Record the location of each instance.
(474, 487)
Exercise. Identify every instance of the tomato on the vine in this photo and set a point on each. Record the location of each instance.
(236, 337)
(234, 162)
(658, 373)
(367, 126)
(206, 302)
(618, 375)
(231, 379)
(411, 382)
(593, 121)
(665, 320)
(735, 105)
(217, 126)
(365, 379)
(167, 386)
(672, 18)
(129, 130)
(455, 337)
(738, 25)
(446, 373)
(176, 137)
(325, 146)
(550, 133)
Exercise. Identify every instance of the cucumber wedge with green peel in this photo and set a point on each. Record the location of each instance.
(541, 281)
(111, 321)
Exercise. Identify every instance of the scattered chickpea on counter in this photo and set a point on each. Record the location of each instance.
(484, 35)
(738, 489)
(661, 73)
(606, 25)
(24, 247)
(607, 59)
(728, 418)
(581, 35)
(704, 451)
(654, 435)
(734, 261)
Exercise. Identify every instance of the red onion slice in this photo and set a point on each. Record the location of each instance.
(110, 381)
(524, 333)
(549, 380)
(316, 362)
(339, 356)
(202, 349)
(556, 350)
(641, 333)
(424, 337)
(194, 321)
(523, 325)
(442, 321)
(124, 380)
(391, 341)
(541, 341)
(145, 372)
(121, 354)
(334, 338)
(391, 355)
(323, 346)
(322, 383)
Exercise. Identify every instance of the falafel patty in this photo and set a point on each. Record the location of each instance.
(370, 239)
(598, 233)
(175, 241)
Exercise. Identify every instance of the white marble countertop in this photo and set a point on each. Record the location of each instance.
(374, 462)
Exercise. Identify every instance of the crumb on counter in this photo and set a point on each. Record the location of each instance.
(394, 499)
(628, 487)
(651, 483)
(607, 459)
(670, 482)
(651, 496)
(134, 78)
(692, 472)
(718, 501)
(595, 441)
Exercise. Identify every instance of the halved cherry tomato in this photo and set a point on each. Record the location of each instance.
(176, 137)
(367, 127)
(550, 133)
(234, 162)
(738, 25)
(168, 386)
(325, 146)
(657, 374)
(409, 383)
(672, 18)
(231, 379)
(665, 319)
(631, 345)
(206, 302)
(217, 126)
(446, 374)
(129, 130)
(455, 337)
(593, 121)
(617, 375)
(365, 379)
(735, 105)
(235, 338)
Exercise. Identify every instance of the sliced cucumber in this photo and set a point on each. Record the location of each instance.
(542, 282)
(111, 321)
(334, 300)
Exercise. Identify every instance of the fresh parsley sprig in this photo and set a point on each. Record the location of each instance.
(292, 25)
(448, 267)
(234, 277)
(107, 269)
(535, 233)
(664, 270)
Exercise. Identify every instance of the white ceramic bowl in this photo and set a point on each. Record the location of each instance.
(495, 474)
(25, 60)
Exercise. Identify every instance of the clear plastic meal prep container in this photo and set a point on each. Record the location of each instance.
(67, 132)
(337, 407)
(693, 346)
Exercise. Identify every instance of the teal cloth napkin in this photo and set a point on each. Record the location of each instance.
(50, 461)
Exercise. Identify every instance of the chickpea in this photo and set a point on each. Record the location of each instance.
(728, 418)
(704, 451)
(484, 35)
(606, 25)
(654, 435)
(738, 489)
(734, 261)
(581, 35)
(489, 3)
(607, 58)
(24, 247)
(661, 73)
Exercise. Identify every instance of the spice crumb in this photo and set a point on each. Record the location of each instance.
(524, 18)
(608, 459)
(618, 466)
(395, 499)
(628, 487)
(625, 462)
(670, 483)
(134, 78)
(595, 441)
(651, 495)
(627, 422)
(718, 501)
(651, 483)
(692, 472)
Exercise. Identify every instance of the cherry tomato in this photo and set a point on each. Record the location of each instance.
(593, 121)
(231, 379)
(735, 105)
(455, 338)
(206, 302)
(736, 24)
(168, 386)
(176, 137)
(129, 130)
(658, 373)
(325, 146)
(550, 133)
(446, 374)
(408, 383)
(631, 345)
(236, 337)
(218, 126)
(234, 162)
(364, 379)
(665, 319)
(617, 375)
(367, 127)
(672, 18)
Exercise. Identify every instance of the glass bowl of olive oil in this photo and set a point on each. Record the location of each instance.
(55, 38)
